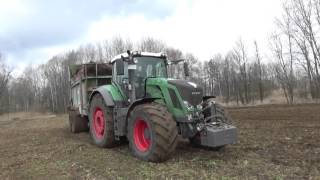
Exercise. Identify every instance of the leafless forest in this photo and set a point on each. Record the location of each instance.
(242, 76)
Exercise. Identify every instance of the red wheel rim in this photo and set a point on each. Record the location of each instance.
(141, 135)
(98, 123)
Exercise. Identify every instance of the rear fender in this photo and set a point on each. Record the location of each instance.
(105, 94)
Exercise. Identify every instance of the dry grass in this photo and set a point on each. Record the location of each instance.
(276, 97)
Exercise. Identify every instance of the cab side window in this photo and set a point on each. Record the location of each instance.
(120, 75)
(118, 71)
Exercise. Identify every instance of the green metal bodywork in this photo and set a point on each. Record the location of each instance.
(157, 88)
(115, 92)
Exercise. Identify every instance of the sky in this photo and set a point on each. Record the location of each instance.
(32, 31)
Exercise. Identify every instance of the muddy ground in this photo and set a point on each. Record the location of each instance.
(275, 142)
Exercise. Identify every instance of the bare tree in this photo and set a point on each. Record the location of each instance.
(151, 45)
(241, 58)
(174, 54)
(214, 71)
(4, 75)
(305, 16)
(259, 69)
(283, 68)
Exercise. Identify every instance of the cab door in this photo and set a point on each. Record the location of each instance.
(120, 76)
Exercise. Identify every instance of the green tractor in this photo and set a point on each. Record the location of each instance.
(132, 98)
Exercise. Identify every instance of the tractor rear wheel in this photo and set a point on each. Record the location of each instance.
(152, 132)
(77, 123)
(101, 123)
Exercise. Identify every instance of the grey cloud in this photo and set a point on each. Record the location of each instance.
(62, 21)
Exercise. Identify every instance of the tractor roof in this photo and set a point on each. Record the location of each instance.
(137, 53)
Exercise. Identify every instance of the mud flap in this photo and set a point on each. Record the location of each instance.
(218, 136)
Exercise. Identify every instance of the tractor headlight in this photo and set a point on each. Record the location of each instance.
(189, 116)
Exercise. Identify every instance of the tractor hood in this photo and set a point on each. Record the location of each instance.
(189, 91)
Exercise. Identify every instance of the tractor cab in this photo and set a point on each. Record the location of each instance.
(130, 71)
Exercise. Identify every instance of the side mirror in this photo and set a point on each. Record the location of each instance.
(186, 69)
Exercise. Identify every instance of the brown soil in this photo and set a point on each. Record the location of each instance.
(275, 142)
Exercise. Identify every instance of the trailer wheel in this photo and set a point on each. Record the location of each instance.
(77, 123)
(221, 116)
(152, 132)
(101, 123)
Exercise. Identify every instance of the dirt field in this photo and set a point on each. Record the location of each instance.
(275, 142)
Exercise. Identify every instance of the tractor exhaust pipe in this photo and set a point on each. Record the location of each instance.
(186, 70)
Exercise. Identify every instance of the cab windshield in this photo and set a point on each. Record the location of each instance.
(147, 67)
(150, 67)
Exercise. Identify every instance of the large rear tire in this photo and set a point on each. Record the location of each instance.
(77, 123)
(152, 132)
(101, 123)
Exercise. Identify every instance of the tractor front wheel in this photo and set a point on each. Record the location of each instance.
(152, 132)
